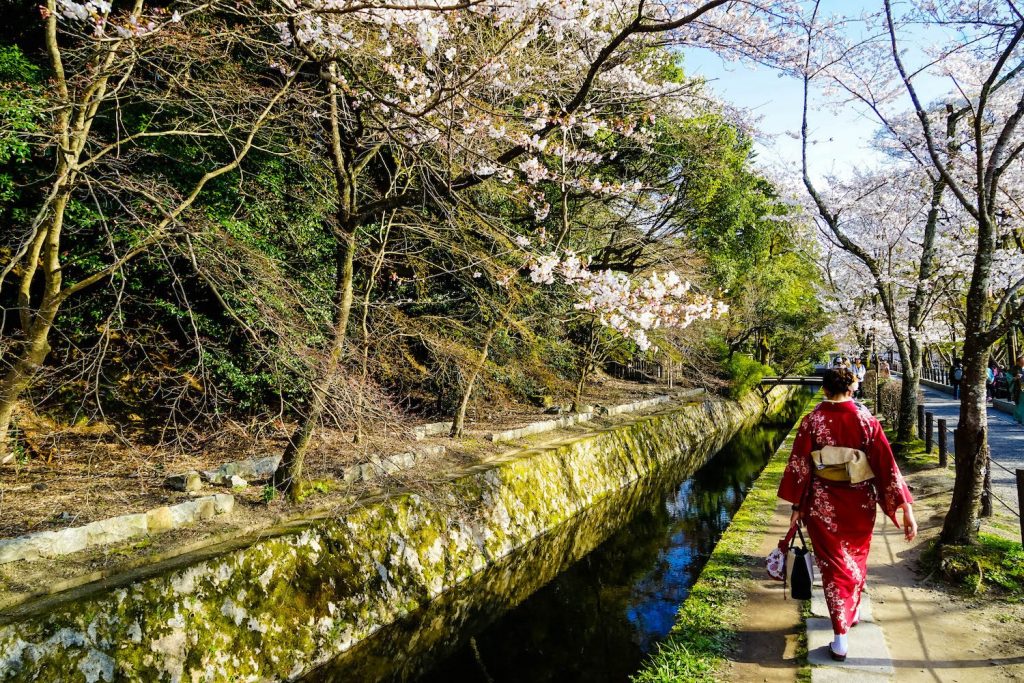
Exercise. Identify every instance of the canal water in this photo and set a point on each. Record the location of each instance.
(586, 602)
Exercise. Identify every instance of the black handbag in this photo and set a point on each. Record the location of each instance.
(799, 569)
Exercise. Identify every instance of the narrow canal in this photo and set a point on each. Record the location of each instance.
(586, 602)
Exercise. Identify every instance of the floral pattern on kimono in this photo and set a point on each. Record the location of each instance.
(840, 516)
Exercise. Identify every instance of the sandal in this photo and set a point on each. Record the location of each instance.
(835, 655)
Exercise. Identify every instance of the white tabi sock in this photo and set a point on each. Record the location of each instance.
(839, 644)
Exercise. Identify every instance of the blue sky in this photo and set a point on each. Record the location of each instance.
(840, 141)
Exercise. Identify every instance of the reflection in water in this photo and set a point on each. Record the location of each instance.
(593, 596)
(596, 620)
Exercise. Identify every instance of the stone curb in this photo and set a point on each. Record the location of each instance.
(1003, 406)
(539, 427)
(638, 405)
(378, 466)
(432, 429)
(938, 386)
(569, 420)
(113, 529)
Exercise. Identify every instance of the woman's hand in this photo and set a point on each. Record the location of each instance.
(909, 523)
(795, 518)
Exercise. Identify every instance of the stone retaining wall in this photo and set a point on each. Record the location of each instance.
(282, 606)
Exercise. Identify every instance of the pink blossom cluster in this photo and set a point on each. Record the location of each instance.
(631, 307)
(96, 14)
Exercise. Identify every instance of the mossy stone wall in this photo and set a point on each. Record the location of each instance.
(282, 606)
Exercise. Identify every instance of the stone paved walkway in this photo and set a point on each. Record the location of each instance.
(1006, 441)
(913, 633)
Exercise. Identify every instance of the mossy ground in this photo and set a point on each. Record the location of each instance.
(706, 624)
(993, 567)
(911, 455)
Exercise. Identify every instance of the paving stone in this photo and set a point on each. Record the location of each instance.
(869, 654)
(828, 674)
(820, 609)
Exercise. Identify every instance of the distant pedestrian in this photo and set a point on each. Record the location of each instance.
(859, 370)
(956, 377)
(990, 380)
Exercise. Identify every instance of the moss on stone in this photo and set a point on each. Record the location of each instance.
(284, 605)
(706, 624)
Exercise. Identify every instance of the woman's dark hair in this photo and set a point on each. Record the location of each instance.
(837, 381)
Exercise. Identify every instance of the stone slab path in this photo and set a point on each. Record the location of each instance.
(768, 636)
(917, 633)
(1006, 444)
(869, 658)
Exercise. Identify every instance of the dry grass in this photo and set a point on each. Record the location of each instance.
(72, 475)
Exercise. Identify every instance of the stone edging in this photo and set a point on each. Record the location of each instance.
(113, 529)
(1003, 406)
(938, 386)
(578, 418)
(999, 404)
(378, 466)
(431, 429)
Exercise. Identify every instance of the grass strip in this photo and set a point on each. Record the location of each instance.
(705, 628)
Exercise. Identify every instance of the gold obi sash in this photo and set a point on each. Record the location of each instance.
(837, 463)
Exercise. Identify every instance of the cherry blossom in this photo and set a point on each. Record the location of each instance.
(633, 308)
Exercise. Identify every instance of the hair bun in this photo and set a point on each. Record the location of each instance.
(838, 381)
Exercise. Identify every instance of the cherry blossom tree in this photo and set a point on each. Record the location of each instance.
(441, 98)
(969, 143)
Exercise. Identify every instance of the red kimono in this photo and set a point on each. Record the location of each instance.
(840, 516)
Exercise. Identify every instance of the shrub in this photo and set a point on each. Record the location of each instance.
(744, 374)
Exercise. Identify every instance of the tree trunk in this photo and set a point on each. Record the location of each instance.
(971, 451)
(36, 345)
(364, 361)
(289, 473)
(971, 444)
(910, 359)
(460, 414)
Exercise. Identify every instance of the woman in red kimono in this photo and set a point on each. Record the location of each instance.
(840, 515)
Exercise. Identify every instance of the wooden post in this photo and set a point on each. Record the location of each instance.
(1020, 496)
(929, 417)
(920, 422)
(943, 457)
